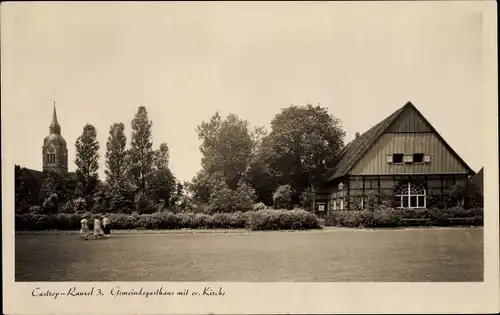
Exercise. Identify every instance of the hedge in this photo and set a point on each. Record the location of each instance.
(384, 218)
(265, 219)
(296, 219)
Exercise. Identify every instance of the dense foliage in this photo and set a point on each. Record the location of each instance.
(269, 219)
(240, 165)
(245, 172)
(389, 217)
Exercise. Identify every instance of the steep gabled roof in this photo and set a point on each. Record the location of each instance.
(358, 147)
(477, 181)
(36, 175)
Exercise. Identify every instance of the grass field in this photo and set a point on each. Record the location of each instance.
(325, 255)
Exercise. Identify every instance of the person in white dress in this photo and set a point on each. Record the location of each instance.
(84, 230)
(98, 228)
(106, 227)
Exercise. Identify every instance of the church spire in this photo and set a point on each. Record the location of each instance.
(54, 126)
(54, 116)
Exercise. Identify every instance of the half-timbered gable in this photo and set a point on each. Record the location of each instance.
(403, 158)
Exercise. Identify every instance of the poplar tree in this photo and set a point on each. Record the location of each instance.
(121, 188)
(141, 152)
(116, 153)
(87, 160)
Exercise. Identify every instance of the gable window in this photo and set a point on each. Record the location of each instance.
(418, 157)
(408, 158)
(411, 196)
(427, 158)
(397, 158)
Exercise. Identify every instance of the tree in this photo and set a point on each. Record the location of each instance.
(53, 190)
(162, 183)
(176, 197)
(87, 160)
(303, 143)
(227, 147)
(224, 199)
(121, 195)
(26, 189)
(282, 197)
(202, 186)
(457, 195)
(259, 176)
(141, 150)
(119, 190)
(116, 153)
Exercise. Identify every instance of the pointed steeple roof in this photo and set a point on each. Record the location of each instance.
(54, 116)
(54, 127)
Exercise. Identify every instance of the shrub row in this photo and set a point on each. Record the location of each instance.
(396, 217)
(254, 220)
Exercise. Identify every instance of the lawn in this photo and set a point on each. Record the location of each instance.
(332, 254)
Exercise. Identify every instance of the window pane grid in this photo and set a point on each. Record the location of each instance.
(411, 196)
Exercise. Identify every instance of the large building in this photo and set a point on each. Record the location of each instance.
(54, 150)
(402, 159)
(54, 156)
(54, 153)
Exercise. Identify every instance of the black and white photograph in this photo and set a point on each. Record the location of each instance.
(248, 142)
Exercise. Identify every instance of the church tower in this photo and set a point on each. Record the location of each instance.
(54, 150)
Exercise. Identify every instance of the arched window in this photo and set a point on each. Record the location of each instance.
(411, 196)
(51, 158)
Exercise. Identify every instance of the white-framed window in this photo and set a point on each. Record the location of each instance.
(408, 158)
(321, 207)
(341, 204)
(389, 158)
(427, 158)
(411, 196)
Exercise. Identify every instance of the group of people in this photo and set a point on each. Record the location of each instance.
(102, 227)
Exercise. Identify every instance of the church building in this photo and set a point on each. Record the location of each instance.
(54, 156)
(54, 150)
(402, 159)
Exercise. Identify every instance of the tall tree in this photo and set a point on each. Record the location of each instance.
(303, 143)
(227, 147)
(116, 153)
(141, 150)
(121, 190)
(87, 159)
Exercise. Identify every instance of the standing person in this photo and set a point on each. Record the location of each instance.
(106, 227)
(97, 227)
(84, 230)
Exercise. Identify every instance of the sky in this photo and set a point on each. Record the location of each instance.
(186, 60)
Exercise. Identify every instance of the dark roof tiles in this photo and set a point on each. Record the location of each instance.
(357, 147)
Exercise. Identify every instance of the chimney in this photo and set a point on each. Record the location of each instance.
(356, 136)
